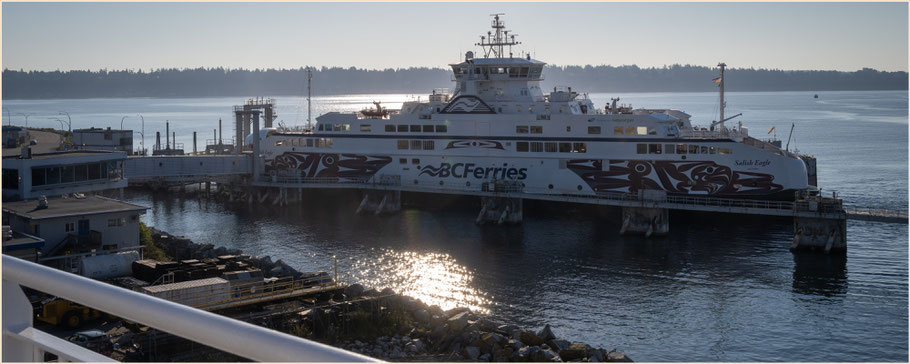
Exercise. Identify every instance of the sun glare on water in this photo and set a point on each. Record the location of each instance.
(435, 279)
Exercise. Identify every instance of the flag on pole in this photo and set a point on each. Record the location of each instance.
(718, 79)
(772, 129)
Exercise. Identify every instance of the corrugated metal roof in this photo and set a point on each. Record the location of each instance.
(186, 284)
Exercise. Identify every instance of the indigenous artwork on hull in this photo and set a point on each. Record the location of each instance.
(695, 177)
(329, 165)
(474, 144)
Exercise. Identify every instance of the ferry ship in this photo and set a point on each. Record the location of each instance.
(498, 126)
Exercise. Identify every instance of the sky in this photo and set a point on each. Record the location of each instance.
(792, 36)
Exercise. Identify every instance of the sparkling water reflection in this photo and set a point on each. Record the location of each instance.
(434, 278)
(714, 289)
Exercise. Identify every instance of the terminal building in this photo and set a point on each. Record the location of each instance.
(55, 174)
(103, 139)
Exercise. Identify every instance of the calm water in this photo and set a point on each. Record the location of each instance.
(727, 290)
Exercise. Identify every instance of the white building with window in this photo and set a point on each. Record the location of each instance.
(103, 139)
(61, 173)
(77, 225)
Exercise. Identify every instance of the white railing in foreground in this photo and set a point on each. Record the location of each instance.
(232, 336)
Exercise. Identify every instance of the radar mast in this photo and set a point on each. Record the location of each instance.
(494, 41)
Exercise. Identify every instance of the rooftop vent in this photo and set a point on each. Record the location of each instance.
(42, 202)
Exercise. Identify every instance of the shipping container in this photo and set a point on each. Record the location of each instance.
(192, 293)
(108, 265)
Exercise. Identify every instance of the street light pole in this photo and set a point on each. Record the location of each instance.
(26, 118)
(8, 118)
(142, 133)
(121, 121)
(69, 122)
(141, 148)
(61, 121)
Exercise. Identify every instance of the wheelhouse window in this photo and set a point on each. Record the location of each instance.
(441, 128)
(579, 148)
(390, 128)
(536, 129)
(641, 130)
(565, 147)
(654, 148)
(593, 130)
(429, 145)
(680, 149)
(536, 147)
(617, 130)
(641, 148)
(693, 149)
(415, 128)
(366, 127)
(402, 128)
(428, 128)
(669, 149)
(550, 147)
(415, 144)
(630, 130)
(521, 146)
(521, 129)
(402, 144)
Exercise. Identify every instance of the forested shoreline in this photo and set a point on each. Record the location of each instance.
(212, 82)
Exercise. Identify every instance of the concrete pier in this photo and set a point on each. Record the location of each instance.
(379, 202)
(645, 220)
(827, 235)
(648, 218)
(500, 210)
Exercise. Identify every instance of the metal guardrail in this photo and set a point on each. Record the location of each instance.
(232, 336)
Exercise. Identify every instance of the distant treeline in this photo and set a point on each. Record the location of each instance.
(202, 82)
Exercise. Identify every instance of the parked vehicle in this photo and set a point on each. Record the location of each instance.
(94, 340)
(67, 314)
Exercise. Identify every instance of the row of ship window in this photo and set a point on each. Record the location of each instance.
(551, 147)
(389, 128)
(596, 130)
(306, 142)
(417, 144)
(680, 149)
(520, 129)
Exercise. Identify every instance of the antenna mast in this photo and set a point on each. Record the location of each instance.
(722, 102)
(493, 42)
(309, 103)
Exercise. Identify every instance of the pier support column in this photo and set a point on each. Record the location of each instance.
(379, 202)
(645, 220)
(238, 142)
(501, 210)
(827, 235)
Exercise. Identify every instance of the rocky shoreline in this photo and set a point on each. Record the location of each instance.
(389, 326)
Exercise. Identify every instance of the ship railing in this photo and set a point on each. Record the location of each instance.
(696, 133)
(701, 201)
(313, 180)
(24, 343)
